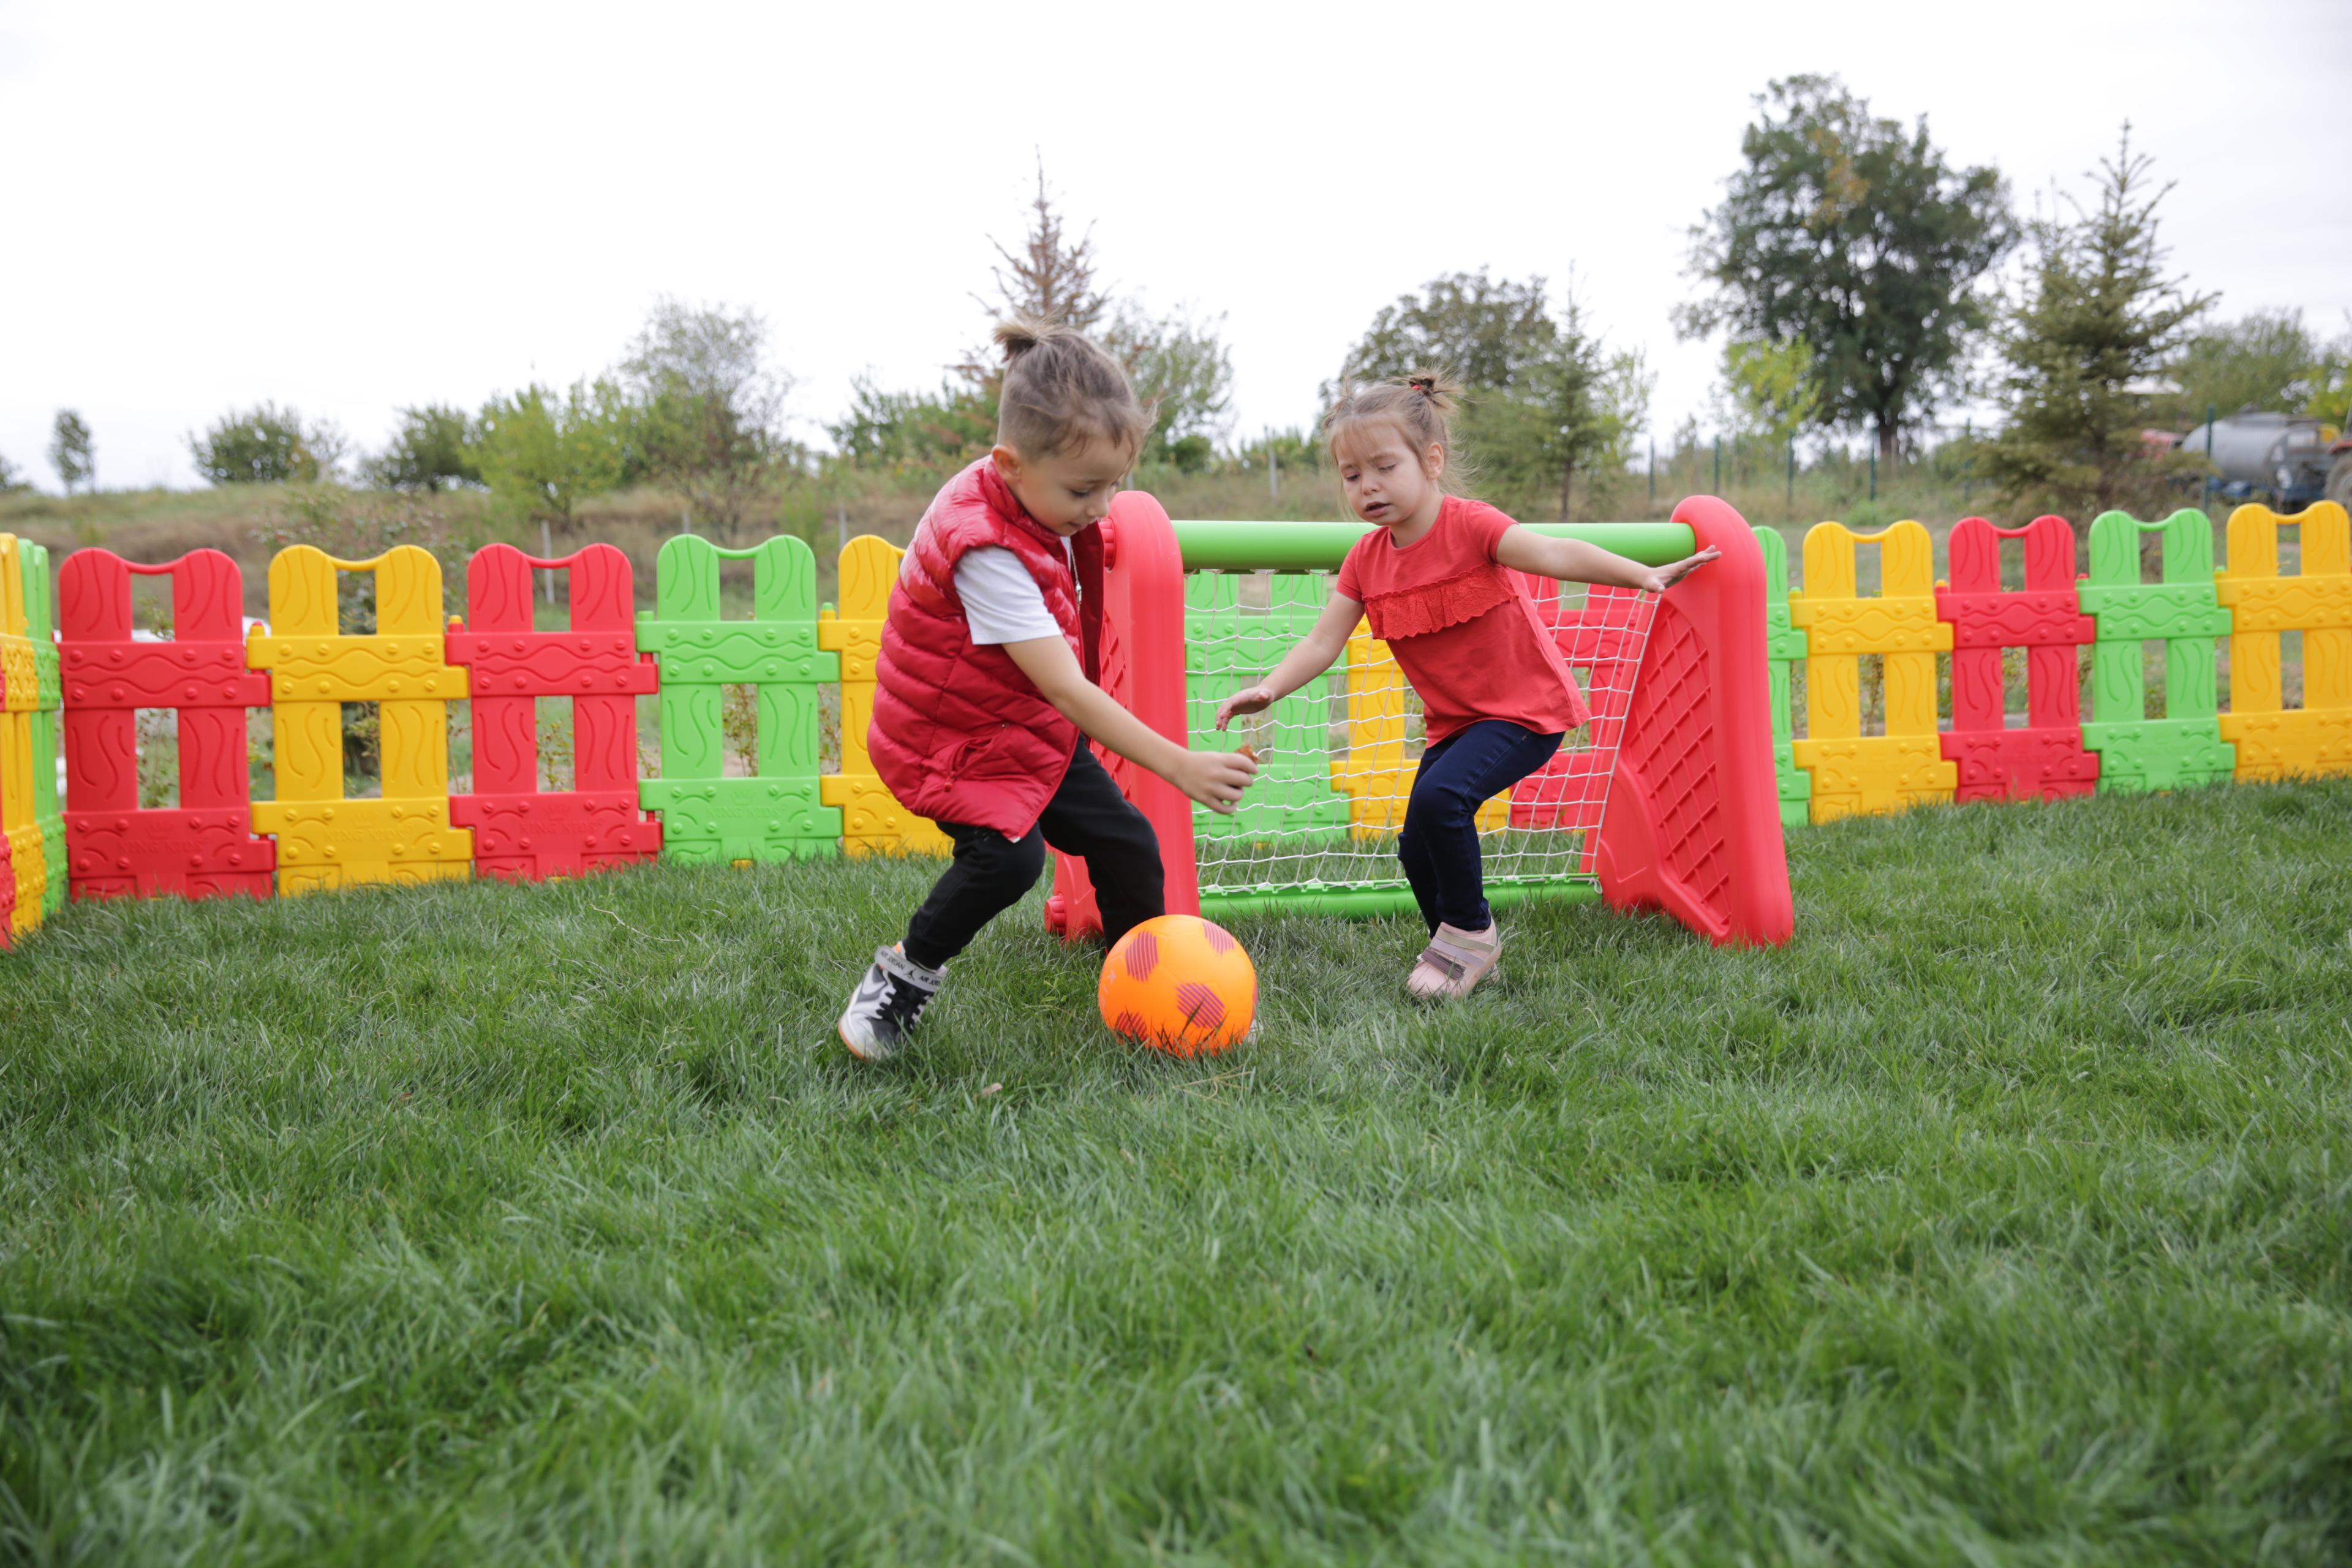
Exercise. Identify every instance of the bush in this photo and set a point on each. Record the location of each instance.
(265, 445)
(431, 451)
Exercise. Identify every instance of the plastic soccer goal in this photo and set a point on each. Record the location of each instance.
(1667, 799)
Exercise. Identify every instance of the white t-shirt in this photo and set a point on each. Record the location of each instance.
(1000, 600)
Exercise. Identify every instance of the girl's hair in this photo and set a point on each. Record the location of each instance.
(1061, 389)
(1420, 406)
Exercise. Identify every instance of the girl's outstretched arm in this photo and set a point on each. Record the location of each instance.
(1573, 561)
(1308, 658)
(1215, 779)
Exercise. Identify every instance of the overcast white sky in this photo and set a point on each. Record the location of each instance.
(351, 207)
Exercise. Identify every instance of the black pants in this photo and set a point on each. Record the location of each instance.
(1439, 844)
(1087, 817)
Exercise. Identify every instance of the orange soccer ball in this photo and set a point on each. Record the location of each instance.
(1180, 984)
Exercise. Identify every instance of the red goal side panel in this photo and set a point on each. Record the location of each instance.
(1141, 664)
(1693, 822)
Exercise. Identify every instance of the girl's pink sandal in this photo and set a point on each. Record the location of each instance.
(1454, 961)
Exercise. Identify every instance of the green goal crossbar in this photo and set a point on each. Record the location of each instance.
(1223, 546)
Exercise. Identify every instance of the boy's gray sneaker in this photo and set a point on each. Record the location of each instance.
(884, 1008)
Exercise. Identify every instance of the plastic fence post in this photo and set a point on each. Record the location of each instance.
(2271, 741)
(206, 846)
(872, 820)
(40, 625)
(2046, 760)
(19, 695)
(1783, 646)
(1852, 771)
(1375, 775)
(777, 812)
(325, 840)
(519, 831)
(2185, 747)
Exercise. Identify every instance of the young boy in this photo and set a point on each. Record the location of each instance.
(986, 696)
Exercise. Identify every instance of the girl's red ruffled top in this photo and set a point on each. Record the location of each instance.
(1463, 627)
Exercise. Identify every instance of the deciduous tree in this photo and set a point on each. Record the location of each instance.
(1847, 234)
(545, 452)
(2268, 359)
(267, 444)
(71, 451)
(710, 407)
(431, 450)
(1545, 399)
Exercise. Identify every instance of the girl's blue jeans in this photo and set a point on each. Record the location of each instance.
(1439, 845)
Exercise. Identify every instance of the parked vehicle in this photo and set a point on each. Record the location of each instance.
(2285, 457)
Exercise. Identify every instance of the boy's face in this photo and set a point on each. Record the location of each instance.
(1386, 482)
(1070, 490)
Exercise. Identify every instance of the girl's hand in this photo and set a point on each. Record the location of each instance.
(1215, 779)
(1660, 579)
(1255, 699)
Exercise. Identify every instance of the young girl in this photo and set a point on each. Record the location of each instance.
(1495, 697)
(987, 696)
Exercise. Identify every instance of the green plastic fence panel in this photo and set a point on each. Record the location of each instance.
(775, 814)
(1229, 644)
(40, 624)
(2184, 748)
(1784, 644)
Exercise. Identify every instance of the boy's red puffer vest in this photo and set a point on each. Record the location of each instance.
(959, 734)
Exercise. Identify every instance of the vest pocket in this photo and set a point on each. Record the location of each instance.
(972, 753)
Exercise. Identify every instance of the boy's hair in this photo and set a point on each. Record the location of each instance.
(1061, 389)
(1420, 406)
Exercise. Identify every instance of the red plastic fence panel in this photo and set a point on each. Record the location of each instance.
(2046, 760)
(519, 831)
(1142, 662)
(1692, 823)
(205, 847)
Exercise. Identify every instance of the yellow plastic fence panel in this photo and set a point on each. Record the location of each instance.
(323, 839)
(19, 695)
(1853, 772)
(2273, 741)
(872, 820)
(1376, 776)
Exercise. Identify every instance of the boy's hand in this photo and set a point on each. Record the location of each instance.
(1215, 779)
(1256, 700)
(1664, 577)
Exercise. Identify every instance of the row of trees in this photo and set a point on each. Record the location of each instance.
(1859, 279)
(694, 404)
(1856, 273)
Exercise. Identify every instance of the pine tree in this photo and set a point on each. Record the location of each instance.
(2098, 322)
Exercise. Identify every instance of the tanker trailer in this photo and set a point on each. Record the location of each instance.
(2283, 457)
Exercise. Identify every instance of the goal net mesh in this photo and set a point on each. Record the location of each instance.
(1337, 758)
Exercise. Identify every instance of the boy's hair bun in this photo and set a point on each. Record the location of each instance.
(1019, 335)
(1061, 388)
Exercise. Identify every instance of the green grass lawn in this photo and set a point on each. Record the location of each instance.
(2004, 1216)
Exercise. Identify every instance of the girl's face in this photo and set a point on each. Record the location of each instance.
(1387, 482)
(1069, 492)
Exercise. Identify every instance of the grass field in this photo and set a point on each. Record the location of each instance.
(2004, 1216)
